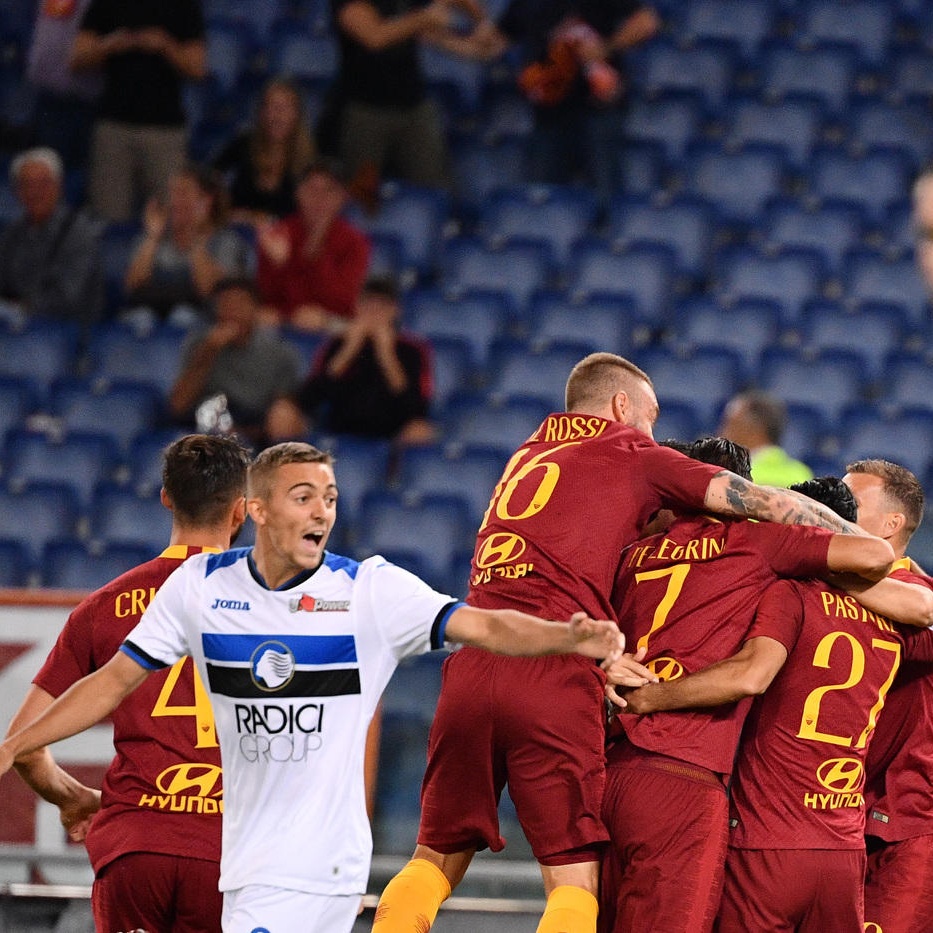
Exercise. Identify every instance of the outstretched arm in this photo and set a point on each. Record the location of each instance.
(749, 672)
(81, 706)
(76, 802)
(506, 631)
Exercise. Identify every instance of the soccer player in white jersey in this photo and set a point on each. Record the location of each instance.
(296, 645)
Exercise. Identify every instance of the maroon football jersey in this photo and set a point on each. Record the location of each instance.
(899, 785)
(689, 595)
(162, 793)
(800, 772)
(572, 496)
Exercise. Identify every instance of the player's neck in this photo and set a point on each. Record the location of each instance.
(189, 536)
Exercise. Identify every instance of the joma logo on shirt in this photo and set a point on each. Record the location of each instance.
(231, 604)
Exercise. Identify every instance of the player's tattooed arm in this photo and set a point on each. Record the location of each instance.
(731, 494)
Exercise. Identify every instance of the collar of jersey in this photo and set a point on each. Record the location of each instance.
(902, 563)
(180, 551)
(296, 580)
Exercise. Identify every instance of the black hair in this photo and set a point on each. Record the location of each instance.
(833, 493)
(722, 452)
(203, 475)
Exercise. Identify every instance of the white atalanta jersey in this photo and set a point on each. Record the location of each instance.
(294, 676)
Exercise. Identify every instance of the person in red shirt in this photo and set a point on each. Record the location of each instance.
(686, 597)
(313, 263)
(154, 843)
(577, 492)
(796, 855)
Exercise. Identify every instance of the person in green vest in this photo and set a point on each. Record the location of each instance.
(757, 420)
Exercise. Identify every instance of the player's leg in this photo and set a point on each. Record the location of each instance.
(571, 892)
(837, 905)
(756, 896)
(135, 892)
(198, 902)
(899, 887)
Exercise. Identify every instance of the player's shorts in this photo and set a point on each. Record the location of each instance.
(899, 887)
(534, 723)
(158, 894)
(669, 823)
(259, 908)
(803, 890)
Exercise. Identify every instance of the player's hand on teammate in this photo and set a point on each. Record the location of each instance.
(596, 638)
(76, 815)
(628, 672)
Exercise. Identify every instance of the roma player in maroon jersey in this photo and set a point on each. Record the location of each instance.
(899, 786)
(577, 492)
(796, 855)
(686, 596)
(155, 842)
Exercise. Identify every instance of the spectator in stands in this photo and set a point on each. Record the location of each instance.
(381, 118)
(146, 50)
(184, 250)
(263, 163)
(50, 262)
(372, 381)
(66, 101)
(575, 78)
(234, 369)
(757, 420)
(313, 263)
(923, 221)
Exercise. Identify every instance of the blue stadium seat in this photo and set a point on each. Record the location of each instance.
(14, 563)
(77, 460)
(671, 122)
(684, 224)
(453, 369)
(502, 425)
(38, 513)
(360, 466)
(386, 256)
(40, 352)
(738, 184)
(905, 438)
(518, 268)
(17, 400)
(679, 421)
(898, 232)
(304, 56)
(506, 114)
(415, 216)
(873, 181)
(118, 410)
(706, 68)
(870, 278)
(71, 565)
(477, 317)
(464, 79)
(642, 272)
(873, 332)
(746, 327)
(480, 168)
(10, 208)
(876, 124)
(517, 371)
(908, 381)
(117, 244)
(458, 579)
(794, 125)
(555, 215)
(119, 353)
(865, 25)
(144, 460)
(598, 322)
(704, 379)
(227, 53)
(828, 380)
(120, 516)
(790, 278)
(434, 528)
(831, 229)
(921, 544)
(824, 72)
(806, 432)
(467, 473)
(745, 22)
(912, 77)
(642, 166)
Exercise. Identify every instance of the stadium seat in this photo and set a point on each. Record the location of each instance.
(360, 465)
(117, 243)
(921, 544)
(480, 168)
(39, 353)
(642, 167)
(434, 528)
(738, 184)
(671, 122)
(685, 224)
(463, 78)
(119, 353)
(120, 516)
(458, 579)
(908, 381)
(865, 25)
(467, 473)
(679, 421)
(38, 513)
(493, 424)
(912, 78)
(14, 563)
(806, 432)
(70, 565)
(476, 317)
(77, 460)
(144, 460)
(790, 278)
(870, 278)
(517, 371)
(118, 410)
(905, 438)
(794, 125)
(828, 380)
(706, 69)
(898, 232)
(453, 369)
(227, 53)
(876, 124)
(643, 273)
(10, 208)
(555, 215)
(824, 72)
(16, 402)
(597, 322)
(831, 229)
(506, 114)
(745, 22)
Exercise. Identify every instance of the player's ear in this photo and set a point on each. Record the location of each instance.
(165, 500)
(256, 510)
(620, 406)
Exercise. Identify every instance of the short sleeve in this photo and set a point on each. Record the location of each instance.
(779, 614)
(71, 657)
(792, 550)
(677, 479)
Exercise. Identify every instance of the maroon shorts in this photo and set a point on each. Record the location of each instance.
(668, 824)
(803, 890)
(899, 887)
(158, 894)
(533, 723)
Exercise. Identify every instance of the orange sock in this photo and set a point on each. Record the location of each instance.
(411, 899)
(569, 910)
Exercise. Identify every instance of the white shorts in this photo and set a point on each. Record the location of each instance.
(261, 909)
